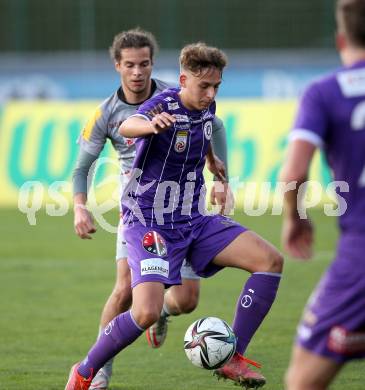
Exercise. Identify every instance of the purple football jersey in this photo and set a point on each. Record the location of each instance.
(167, 185)
(332, 116)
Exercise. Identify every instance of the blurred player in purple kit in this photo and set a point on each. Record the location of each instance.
(132, 52)
(331, 116)
(165, 221)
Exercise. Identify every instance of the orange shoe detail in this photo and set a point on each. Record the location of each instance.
(238, 371)
(76, 381)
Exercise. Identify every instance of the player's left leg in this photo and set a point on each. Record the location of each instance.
(308, 371)
(252, 253)
(221, 242)
(179, 299)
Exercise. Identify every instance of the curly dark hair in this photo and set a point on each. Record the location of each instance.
(135, 38)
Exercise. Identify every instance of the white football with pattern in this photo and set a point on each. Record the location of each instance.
(209, 343)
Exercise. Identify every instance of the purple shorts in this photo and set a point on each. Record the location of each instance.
(333, 323)
(156, 255)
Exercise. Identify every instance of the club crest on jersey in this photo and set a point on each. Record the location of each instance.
(173, 106)
(208, 129)
(181, 141)
(129, 141)
(153, 243)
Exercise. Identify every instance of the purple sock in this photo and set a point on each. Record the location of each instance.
(253, 304)
(118, 334)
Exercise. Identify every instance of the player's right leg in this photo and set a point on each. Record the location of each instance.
(118, 302)
(308, 371)
(179, 299)
(122, 331)
(151, 270)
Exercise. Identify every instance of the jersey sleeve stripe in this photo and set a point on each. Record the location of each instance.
(140, 116)
(306, 135)
(86, 134)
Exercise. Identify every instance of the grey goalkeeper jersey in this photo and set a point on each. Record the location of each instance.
(105, 124)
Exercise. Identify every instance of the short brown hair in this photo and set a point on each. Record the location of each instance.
(351, 18)
(198, 56)
(135, 38)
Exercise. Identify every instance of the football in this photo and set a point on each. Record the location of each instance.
(209, 343)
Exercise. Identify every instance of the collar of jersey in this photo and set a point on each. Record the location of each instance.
(121, 95)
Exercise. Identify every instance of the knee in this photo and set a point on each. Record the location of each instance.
(274, 262)
(146, 316)
(189, 306)
(189, 301)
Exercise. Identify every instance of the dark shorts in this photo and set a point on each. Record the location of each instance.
(156, 255)
(333, 323)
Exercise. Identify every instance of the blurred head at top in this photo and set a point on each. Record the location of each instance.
(350, 35)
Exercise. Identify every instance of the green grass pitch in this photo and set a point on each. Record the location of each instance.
(53, 286)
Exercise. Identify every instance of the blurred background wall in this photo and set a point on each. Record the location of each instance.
(58, 51)
(87, 25)
(59, 48)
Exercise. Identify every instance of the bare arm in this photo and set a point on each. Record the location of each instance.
(83, 220)
(221, 193)
(297, 233)
(215, 165)
(137, 126)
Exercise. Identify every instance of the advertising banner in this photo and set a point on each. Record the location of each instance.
(38, 148)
